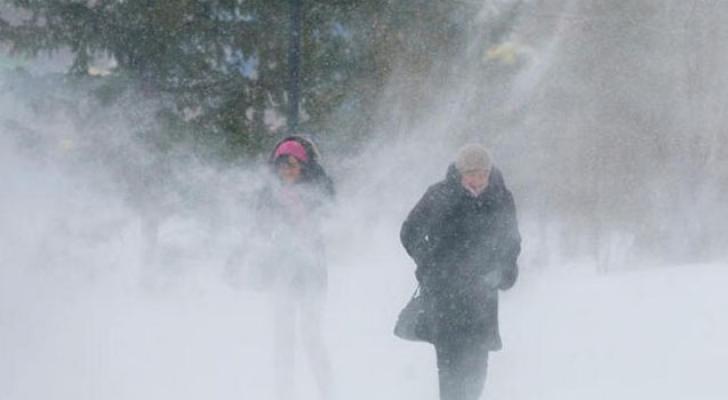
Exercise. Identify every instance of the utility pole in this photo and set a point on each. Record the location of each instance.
(294, 65)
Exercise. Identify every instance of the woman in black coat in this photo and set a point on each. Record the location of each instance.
(289, 215)
(463, 235)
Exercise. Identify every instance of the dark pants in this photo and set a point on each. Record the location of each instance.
(462, 365)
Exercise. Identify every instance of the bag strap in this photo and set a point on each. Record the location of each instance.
(417, 291)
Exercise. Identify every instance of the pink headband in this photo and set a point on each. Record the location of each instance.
(291, 148)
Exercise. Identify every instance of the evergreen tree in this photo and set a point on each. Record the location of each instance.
(219, 69)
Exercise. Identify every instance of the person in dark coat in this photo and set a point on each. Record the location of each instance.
(289, 214)
(464, 238)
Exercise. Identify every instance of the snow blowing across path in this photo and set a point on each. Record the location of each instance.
(651, 334)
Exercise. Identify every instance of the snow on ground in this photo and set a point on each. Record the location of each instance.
(651, 334)
(82, 318)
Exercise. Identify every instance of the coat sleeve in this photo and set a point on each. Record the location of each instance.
(510, 246)
(415, 234)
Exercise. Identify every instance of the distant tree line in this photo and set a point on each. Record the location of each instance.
(218, 69)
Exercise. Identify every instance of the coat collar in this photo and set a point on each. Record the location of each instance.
(495, 183)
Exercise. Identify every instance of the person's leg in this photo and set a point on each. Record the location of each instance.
(312, 310)
(462, 368)
(475, 370)
(284, 345)
(447, 359)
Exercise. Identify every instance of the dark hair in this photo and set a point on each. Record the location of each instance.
(311, 150)
(311, 170)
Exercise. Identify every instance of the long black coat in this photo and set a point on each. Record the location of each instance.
(466, 249)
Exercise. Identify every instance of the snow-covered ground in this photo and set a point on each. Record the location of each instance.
(655, 333)
(652, 334)
(83, 318)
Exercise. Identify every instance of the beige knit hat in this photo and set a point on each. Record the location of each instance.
(473, 157)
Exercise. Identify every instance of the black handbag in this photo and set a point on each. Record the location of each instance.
(413, 322)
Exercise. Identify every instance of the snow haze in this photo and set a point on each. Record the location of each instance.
(607, 123)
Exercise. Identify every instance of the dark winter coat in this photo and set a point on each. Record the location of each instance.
(466, 249)
(289, 218)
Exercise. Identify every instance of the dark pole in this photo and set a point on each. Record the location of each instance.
(294, 65)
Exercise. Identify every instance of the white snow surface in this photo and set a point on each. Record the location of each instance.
(182, 332)
(82, 317)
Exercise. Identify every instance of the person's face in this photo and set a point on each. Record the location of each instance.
(475, 181)
(289, 169)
